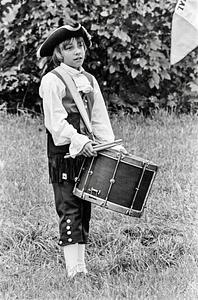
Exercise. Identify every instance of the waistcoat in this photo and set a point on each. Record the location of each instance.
(60, 168)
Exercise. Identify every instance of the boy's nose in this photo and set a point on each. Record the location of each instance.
(77, 49)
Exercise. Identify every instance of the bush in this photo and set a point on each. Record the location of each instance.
(129, 57)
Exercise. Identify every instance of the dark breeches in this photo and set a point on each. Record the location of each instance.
(74, 214)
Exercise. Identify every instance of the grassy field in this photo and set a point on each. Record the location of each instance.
(154, 257)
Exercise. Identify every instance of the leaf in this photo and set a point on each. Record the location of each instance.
(97, 2)
(106, 34)
(193, 86)
(134, 73)
(124, 2)
(104, 13)
(112, 69)
(11, 14)
(137, 22)
(156, 79)
(140, 61)
(165, 75)
(151, 83)
(3, 2)
(95, 27)
(121, 35)
(155, 44)
(135, 109)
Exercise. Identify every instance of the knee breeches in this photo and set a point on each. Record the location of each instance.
(74, 214)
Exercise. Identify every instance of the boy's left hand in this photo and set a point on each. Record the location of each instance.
(120, 148)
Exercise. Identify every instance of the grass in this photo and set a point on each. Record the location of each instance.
(154, 257)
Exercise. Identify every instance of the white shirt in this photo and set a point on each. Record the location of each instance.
(52, 90)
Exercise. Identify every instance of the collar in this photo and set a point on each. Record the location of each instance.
(71, 70)
(81, 81)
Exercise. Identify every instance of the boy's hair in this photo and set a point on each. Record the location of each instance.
(57, 56)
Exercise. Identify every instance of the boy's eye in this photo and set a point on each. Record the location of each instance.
(68, 47)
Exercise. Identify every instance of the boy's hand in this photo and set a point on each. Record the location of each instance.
(88, 150)
(120, 148)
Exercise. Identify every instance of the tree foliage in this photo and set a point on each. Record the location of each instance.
(130, 53)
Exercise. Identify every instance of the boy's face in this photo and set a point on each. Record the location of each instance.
(73, 53)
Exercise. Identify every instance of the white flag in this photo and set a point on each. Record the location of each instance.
(184, 35)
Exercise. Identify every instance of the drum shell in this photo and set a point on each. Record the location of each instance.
(120, 183)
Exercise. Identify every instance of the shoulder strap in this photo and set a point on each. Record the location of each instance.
(68, 81)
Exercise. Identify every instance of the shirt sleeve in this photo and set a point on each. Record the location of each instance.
(100, 121)
(52, 90)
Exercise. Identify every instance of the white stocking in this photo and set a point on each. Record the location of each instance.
(71, 259)
(81, 258)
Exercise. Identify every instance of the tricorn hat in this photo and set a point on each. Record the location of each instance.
(60, 35)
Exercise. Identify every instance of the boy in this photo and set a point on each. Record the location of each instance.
(67, 132)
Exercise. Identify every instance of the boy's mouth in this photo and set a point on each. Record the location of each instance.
(78, 58)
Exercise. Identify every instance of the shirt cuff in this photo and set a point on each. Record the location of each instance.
(77, 143)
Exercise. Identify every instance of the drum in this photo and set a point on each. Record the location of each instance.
(115, 181)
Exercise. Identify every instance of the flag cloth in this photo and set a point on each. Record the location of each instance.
(184, 35)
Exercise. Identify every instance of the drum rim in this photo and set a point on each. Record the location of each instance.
(150, 165)
(111, 205)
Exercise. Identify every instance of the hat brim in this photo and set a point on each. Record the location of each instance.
(60, 35)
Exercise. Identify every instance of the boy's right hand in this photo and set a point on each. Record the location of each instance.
(88, 150)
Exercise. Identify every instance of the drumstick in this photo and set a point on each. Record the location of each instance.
(106, 145)
(100, 147)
